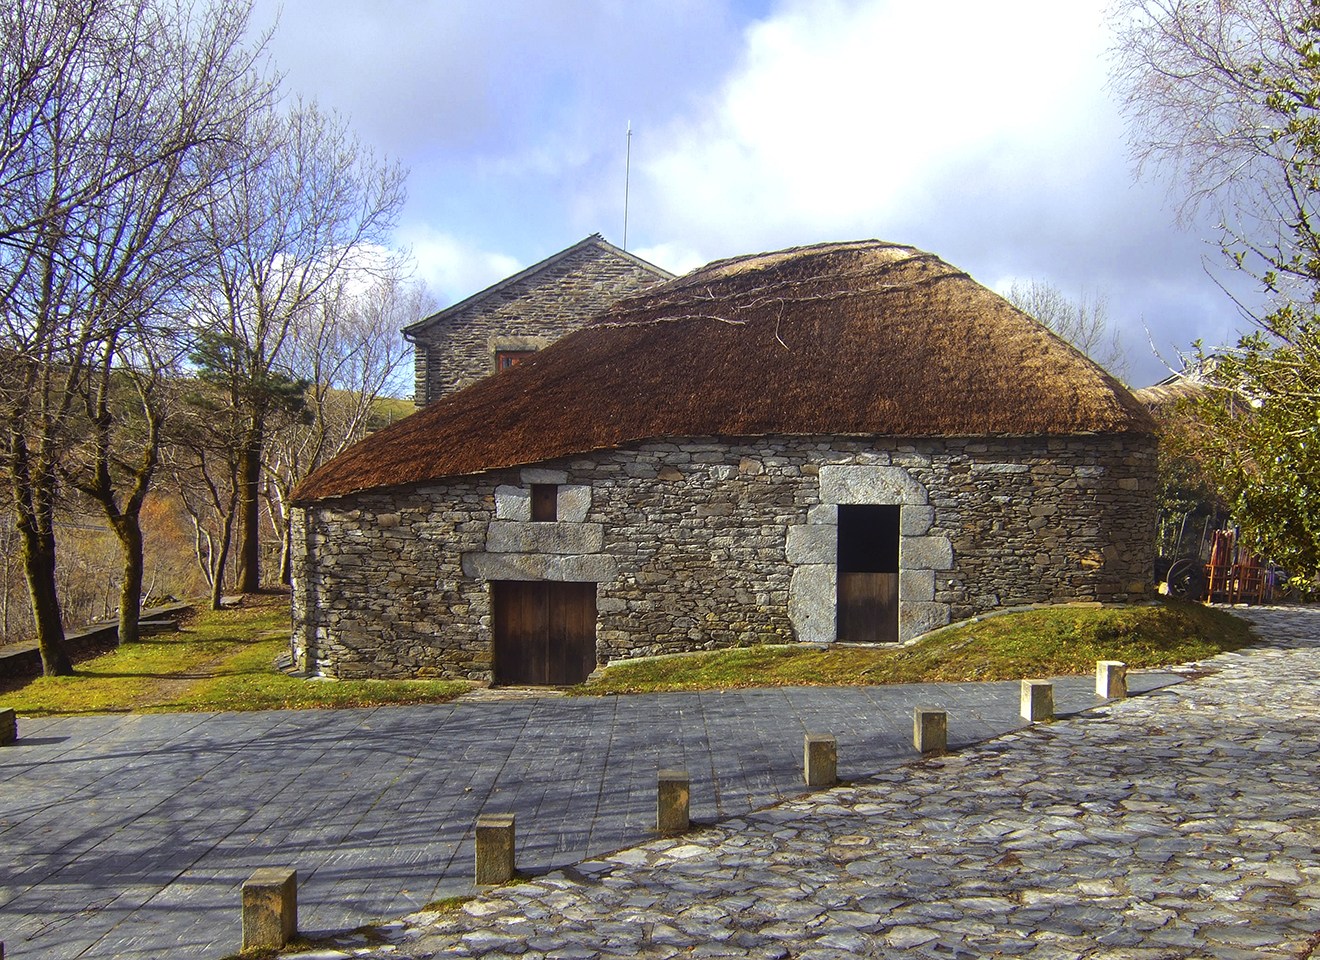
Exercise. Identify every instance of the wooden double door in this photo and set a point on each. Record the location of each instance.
(866, 609)
(545, 632)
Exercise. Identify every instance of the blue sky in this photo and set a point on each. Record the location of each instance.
(982, 132)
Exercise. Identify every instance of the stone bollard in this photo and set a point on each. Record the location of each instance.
(930, 730)
(1111, 679)
(672, 801)
(820, 760)
(1037, 700)
(494, 848)
(270, 908)
(8, 731)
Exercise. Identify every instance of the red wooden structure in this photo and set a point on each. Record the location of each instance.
(1234, 574)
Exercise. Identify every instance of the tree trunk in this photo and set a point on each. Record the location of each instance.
(129, 531)
(218, 575)
(39, 565)
(286, 554)
(249, 512)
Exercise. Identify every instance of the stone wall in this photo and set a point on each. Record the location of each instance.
(705, 543)
(460, 348)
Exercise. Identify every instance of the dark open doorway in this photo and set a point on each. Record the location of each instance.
(867, 601)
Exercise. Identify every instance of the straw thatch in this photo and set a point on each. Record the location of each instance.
(1161, 395)
(863, 338)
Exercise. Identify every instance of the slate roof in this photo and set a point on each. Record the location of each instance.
(595, 240)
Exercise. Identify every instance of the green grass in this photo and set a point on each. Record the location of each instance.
(1039, 643)
(222, 660)
(225, 661)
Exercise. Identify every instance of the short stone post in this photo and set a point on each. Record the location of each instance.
(820, 760)
(1037, 700)
(672, 802)
(930, 730)
(8, 732)
(494, 848)
(1111, 679)
(270, 908)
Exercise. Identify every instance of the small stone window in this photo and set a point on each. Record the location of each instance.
(545, 502)
(504, 359)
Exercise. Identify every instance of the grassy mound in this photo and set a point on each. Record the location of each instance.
(1049, 642)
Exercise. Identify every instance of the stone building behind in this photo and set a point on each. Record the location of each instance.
(506, 322)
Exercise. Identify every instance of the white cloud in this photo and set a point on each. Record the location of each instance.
(844, 116)
(674, 257)
(982, 132)
(452, 267)
(979, 131)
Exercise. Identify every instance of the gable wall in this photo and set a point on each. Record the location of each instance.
(532, 314)
(703, 543)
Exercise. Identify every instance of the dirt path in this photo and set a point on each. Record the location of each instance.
(167, 689)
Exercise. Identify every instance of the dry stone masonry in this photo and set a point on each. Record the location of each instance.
(530, 311)
(704, 543)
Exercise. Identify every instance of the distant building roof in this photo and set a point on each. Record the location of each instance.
(595, 240)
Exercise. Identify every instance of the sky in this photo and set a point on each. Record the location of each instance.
(982, 132)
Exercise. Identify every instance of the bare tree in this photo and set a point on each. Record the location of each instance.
(350, 353)
(1221, 101)
(1083, 322)
(113, 115)
(1223, 97)
(310, 202)
(126, 396)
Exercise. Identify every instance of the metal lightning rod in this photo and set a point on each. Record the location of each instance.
(627, 172)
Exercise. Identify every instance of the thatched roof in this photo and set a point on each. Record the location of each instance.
(862, 338)
(1165, 394)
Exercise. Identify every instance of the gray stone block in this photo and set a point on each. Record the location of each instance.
(596, 568)
(572, 503)
(494, 849)
(673, 798)
(915, 520)
(879, 485)
(811, 602)
(812, 543)
(512, 536)
(270, 908)
(915, 618)
(930, 730)
(513, 503)
(820, 760)
(916, 586)
(824, 513)
(925, 553)
(540, 475)
(1037, 700)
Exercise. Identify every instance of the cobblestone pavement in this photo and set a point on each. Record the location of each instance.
(128, 836)
(1181, 824)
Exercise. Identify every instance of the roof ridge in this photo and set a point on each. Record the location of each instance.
(595, 240)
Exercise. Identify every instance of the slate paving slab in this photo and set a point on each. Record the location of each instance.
(128, 836)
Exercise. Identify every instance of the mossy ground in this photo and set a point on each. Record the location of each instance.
(1056, 641)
